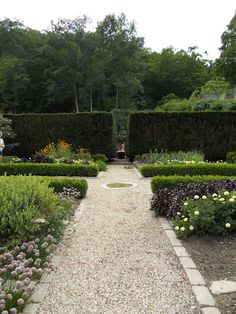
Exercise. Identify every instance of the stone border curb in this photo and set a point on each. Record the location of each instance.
(42, 286)
(201, 292)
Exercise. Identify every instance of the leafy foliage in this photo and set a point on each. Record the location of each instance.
(171, 157)
(24, 200)
(58, 184)
(212, 213)
(226, 65)
(167, 199)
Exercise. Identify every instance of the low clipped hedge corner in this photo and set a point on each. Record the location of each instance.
(59, 183)
(49, 169)
(190, 169)
(161, 182)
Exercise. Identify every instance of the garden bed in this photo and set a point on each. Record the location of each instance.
(215, 257)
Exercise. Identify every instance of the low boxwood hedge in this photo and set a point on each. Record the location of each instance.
(161, 182)
(49, 169)
(190, 169)
(59, 183)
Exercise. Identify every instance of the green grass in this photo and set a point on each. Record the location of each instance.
(119, 185)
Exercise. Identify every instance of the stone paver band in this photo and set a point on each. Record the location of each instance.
(210, 310)
(203, 296)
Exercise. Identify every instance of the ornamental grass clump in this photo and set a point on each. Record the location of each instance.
(207, 214)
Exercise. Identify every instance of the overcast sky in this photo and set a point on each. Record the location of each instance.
(163, 23)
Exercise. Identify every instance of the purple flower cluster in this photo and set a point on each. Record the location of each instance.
(70, 193)
(20, 268)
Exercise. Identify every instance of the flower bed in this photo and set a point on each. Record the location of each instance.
(31, 223)
(167, 199)
(211, 213)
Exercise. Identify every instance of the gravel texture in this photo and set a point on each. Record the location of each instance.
(117, 258)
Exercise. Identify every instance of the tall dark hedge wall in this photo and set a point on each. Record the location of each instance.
(93, 131)
(214, 133)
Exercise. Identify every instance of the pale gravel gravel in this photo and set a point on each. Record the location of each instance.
(117, 258)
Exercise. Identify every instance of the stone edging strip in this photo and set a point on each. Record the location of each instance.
(42, 286)
(201, 292)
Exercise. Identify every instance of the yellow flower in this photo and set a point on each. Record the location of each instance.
(221, 199)
(185, 203)
(231, 200)
(185, 219)
(177, 228)
(196, 213)
(226, 193)
(182, 228)
(227, 225)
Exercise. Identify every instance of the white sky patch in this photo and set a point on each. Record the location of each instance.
(163, 23)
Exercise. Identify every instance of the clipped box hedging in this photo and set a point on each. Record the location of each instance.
(93, 131)
(49, 169)
(214, 133)
(161, 182)
(190, 169)
(59, 183)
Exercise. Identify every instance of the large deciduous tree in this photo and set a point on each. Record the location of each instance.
(226, 64)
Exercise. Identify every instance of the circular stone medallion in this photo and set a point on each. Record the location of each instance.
(119, 185)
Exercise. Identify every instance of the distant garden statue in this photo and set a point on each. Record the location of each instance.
(121, 152)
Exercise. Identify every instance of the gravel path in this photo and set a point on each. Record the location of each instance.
(116, 258)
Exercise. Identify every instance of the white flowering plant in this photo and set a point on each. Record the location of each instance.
(212, 213)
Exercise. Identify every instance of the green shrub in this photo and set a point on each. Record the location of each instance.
(49, 169)
(93, 131)
(231, 157)
(161, 182)
(213, 133)
(212, 214)
(101, 157)
(101, 165)
(22, 201)
(59, 183)
(190, 169)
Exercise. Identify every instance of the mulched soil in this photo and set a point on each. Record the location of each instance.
(215, 258)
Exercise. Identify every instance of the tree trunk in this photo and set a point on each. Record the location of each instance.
(91, 99)
(76, 98)
(117, 97)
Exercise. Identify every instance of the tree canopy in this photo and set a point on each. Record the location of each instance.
(69, 68)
